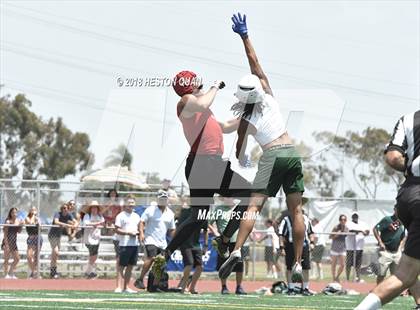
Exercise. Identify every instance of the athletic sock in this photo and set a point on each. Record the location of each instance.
(89, 268)
(305, 285)
(371, 302)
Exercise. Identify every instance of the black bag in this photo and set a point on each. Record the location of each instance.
(163, 283)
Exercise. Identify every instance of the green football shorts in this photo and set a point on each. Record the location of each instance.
(279, 166)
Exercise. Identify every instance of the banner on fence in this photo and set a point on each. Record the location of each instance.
(209, 259)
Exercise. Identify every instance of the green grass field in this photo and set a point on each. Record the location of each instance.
(168, 301)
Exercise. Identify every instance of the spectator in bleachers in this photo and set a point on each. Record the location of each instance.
(75, 232)
(390, 234)
(9, 244)
(287, 249)
(272, 249)
(34, 241)
(127, 225)
(112, 209)
(221, 216)
(92, 235)
(318, 251)
(192, 253)
(156, 222)
(354, 246)
(62, 221)
(338, 247)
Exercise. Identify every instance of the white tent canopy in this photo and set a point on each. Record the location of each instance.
(116, 174)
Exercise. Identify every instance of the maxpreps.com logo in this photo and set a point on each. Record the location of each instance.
(205, 215)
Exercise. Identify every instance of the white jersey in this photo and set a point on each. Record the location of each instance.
(92, 235)
(356, 242)
(269, 124)
(272, 238)
(157, 225)
(128, 222)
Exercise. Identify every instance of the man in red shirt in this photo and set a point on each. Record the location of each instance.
(206, 172)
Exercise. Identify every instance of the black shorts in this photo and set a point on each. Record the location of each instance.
(246, 254)
(270, 255)
(128, 255)
(12, 245)
(239, 267)
(55, 241)
(116, 248)
(408, 207)
(32, 242)
(317, 253)
(210, 174)
(290, 256)
(152, 250)
(93, 249)
(350, 258)
(192, 257)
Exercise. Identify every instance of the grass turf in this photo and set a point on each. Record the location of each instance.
(169, 301)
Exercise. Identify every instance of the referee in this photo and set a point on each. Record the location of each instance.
(287, 249)
(403, 154)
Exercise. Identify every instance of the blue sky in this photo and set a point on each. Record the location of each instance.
(66, 56)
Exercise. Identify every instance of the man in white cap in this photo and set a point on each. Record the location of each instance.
(155, 223)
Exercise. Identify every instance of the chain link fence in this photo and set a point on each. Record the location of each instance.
(42, 249)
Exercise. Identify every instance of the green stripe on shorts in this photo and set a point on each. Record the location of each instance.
(279, 166)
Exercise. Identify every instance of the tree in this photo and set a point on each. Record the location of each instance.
(31, 148)
(152, 177)
(363, 154)
(119, 156)
(349, 194)
(34, 149)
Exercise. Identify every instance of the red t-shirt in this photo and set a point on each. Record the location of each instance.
(204, 124)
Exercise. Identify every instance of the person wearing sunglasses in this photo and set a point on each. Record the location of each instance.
(338, 247)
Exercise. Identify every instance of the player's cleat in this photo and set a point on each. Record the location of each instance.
(297, 275)
(194, 292)
(291, 292)
(221, 247)
(306, 292)
(92, 275)
(225, 290)
(158, 266)
(155, 289)
(240, 291)
(139, 284)
(229, 264)
(118, 290)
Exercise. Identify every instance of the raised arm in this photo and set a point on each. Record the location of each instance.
(230, 125)
(240, 27)
(192, 104)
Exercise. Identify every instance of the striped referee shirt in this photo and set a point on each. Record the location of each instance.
(406, 139)
(285, 229)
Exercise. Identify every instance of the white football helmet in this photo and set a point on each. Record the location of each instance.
(250, 90)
